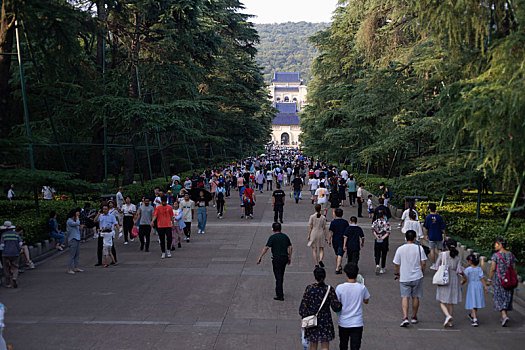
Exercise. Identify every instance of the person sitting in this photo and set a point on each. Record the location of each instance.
(54, 232)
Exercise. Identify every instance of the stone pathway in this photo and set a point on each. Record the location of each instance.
(212, 295)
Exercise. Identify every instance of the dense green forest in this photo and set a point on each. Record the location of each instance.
(428, 89)
(285, 47)
(110, 82)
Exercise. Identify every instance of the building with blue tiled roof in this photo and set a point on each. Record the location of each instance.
(288, 95)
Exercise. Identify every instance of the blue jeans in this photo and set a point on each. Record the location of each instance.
(59, 236)
(202, 218)
(296, 195)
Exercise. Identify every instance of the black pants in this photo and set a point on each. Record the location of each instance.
(248, 209)
(380, 251)
(144, 236)
(359, 207)
(220, 206)
(187, 229)
(279, 265)
(352, 197)
(164, 236)
(278, 212)
(269, 185)
(127, 226)
(353, 256)
(100, 244)
(354, 334)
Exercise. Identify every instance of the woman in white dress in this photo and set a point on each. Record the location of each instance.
(412, 223)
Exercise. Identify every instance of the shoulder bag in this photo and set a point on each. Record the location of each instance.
(441, 278)
(311, 321)
(510, 280)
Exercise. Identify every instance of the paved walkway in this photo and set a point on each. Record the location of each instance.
(212, 295)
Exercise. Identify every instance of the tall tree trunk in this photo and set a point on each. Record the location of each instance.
(96, 165)
(129, 158)
(7, 27)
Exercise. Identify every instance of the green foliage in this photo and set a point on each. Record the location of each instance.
(284, 47)
(22, 213)
(423, 88)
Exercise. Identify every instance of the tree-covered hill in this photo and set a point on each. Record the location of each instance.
(285, 47)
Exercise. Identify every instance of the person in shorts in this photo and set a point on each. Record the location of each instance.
(410, 262)
(321, 196)
(434, 228)
(336, 238)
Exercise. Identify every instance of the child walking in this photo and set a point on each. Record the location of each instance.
(476, 288)
(370, 207)
(106, 250)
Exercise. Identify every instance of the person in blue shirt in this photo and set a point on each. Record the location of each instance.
(434, 227)
(336, 238)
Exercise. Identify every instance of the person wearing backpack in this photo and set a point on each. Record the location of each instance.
(503, 277)
(248, 200)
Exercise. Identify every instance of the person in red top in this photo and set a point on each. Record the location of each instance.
(248, 197)
(163, 215)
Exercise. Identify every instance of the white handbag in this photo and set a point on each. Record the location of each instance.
(441, 278)
(311, 321)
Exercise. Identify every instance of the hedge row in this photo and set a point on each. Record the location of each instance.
(461, 222)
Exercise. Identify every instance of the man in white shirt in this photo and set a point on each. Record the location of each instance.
(352, 295)
(410, 262)
(314, 185)
(48, 193)
(344, 174)
(321, 196)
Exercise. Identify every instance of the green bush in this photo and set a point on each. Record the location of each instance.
(35, 227)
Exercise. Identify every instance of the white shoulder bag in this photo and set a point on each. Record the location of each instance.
(441, 278)
(311, 321)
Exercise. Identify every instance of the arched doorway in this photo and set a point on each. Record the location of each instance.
(285, 139)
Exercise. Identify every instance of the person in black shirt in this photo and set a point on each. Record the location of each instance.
(352, 246)
(336, 238)
(297, 184)
(278, 199)
(281, 255)
(382, 207)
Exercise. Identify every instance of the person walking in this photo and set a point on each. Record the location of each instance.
(163, 215)
(321, 197)
(502, 260)
(248, 200)
(178, 226)
(297, 184)
(381, 231)
(144, 216)
(449, 295)
(10, 244)
(188, 212)
(282, 250)
(107, 222)
(360, 200)
(409, 263)
(314, 185)
(352, 296)
(221, 195)
(336, 233)
(202, 212)
(477, 288)
(342, 191)
(269, 180)
(278, 201)
(354, 240)
(73, 239)
(435, 233)
(352, 190)
(412, 223)
(318, 298)
(317, 235)
(128, 211)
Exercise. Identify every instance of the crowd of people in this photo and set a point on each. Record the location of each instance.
(166, 216)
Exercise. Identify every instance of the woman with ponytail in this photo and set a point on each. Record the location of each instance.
(449, 294)
(317, 235)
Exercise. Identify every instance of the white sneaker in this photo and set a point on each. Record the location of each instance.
(378, 268)
(199, 231)
(202, 231)
(163, 255)
(382, 271)
(448, 321)
(120, 234)
(168, 254)
(132, 240)
(433, 267)
(125, 243)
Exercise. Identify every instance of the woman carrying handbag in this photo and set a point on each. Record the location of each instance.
(317, 300)
(448, 293)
